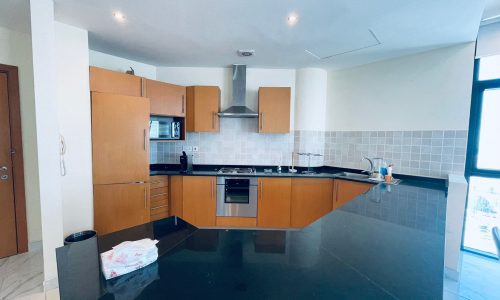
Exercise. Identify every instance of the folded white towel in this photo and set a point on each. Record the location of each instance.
(128, 256)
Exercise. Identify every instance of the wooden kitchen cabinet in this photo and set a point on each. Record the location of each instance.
(274, 204)
(120, 206)
(274, 109)
(159, 201)
(198, 200)
(202, 108)
(107, 81)
(175, 195)
(346, 190)
(120, 138)
(166, 99)
(311, 199)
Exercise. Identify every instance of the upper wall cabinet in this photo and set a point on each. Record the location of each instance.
(120, 145)
(202, 108)
(274, 109)
(166, 99)
(107, 81)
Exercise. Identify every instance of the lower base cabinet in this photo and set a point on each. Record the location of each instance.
(159, 197)
(236, 222)
(282, 202)
(198, 200)
(120, 206)
(311, 199)
(346, 191)
(274, 202)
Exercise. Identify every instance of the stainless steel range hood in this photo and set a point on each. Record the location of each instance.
(238, 108)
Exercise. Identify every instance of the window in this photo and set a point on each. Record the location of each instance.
(483, 159)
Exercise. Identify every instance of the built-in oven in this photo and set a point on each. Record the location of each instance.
(237, 197)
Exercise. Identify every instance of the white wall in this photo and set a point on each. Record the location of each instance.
(310, 99)
(74, 114)
(427, 91)
(47, 133)
(15, 49)
(222, 77)
(115, 63)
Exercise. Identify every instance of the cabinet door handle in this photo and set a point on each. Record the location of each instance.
(145, 198)
(337, 192)
(261, 191)
(261, 120)
(212, 188)
(183, 103)
(213, 120)
(143, 90)
(145, 142)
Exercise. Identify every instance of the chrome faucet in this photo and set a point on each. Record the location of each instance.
(369, 171)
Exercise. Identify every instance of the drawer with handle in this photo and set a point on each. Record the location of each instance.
(160, 200)
(158, 181)
(159, 213)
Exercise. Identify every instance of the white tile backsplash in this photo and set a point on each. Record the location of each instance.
(422, 153)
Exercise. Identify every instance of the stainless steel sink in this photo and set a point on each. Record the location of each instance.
(353, 175)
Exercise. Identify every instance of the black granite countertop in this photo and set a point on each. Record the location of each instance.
(319, 172)
(387, 243)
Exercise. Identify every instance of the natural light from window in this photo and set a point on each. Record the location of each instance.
(489, 67)
(489, 132)
(482, 214)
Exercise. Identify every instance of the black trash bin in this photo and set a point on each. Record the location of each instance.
(79, 236)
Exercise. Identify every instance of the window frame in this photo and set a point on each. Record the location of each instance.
(478, 87)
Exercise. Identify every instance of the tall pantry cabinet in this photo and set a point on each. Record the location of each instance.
(120, 150)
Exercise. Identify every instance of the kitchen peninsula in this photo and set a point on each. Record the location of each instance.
(387, 243)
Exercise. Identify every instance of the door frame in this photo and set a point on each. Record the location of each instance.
(17, 157)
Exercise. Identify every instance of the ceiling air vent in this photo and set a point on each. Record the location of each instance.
(246, 53)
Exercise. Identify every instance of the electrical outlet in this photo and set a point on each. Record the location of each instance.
(187, 148)
(195, 149)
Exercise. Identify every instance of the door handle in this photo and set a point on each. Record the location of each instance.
(213, 120)
(145, 198)
(144, 133)
(261, 120)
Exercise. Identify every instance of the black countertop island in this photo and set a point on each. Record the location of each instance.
(385, 244)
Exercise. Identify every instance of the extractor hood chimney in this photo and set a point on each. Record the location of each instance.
(238, 108)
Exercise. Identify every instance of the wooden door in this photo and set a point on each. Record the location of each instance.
(120, 138)
(346, 190)
(311, 199)
(198, 200)
(8, 237)
(120, 206)
(274, 109)
(274, 202)
(107, 81)
(202, 108)
(166, 99)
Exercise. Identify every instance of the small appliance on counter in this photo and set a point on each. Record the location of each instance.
(164, 128)
(186, 163)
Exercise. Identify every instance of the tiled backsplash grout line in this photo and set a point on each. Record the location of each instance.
(423, 153)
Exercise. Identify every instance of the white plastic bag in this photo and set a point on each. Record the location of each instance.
(128, 256)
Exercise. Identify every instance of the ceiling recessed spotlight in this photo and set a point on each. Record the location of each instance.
(292, 19)
(119, 16)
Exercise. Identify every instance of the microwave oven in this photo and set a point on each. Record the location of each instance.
(164, 128)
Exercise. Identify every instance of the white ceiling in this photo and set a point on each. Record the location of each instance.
(208, 32)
